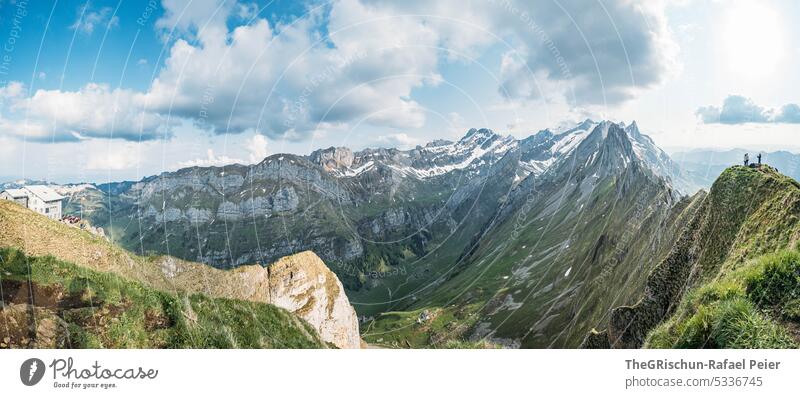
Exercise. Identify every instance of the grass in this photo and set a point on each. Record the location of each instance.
(443, 328)
(104, 310)
(755, 306)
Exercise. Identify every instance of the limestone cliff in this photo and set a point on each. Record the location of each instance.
(302, 284)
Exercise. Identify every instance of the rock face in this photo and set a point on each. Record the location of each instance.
(300, 283)
(333, 158)
(303, 285)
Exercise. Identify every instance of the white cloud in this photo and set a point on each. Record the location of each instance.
(398, 140)
(210, 160)
(116, 157)
(95, 111)
(12, 90)
(247, 11)
(289, 81)
(598, 53)
(89, 19)
(257, 145)
(737, 109)
(190, 17)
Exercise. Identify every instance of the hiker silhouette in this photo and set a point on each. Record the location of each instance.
(746, 159)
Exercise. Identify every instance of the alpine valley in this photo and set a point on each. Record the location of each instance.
(588, 236)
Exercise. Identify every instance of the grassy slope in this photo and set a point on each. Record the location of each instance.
(74, 307)
(37, 236)
(707, 280)
(755, 306)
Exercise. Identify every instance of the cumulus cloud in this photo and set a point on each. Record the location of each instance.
(590, 53)
(287, 81)
(398, 140)
(94, 111)
(602, 53)
(12, 90)
(190, 17)
(89, 19)
(789, 113)
(211, 159)
(737, 109)
(118, 157)
(357, 61)
(257, 145)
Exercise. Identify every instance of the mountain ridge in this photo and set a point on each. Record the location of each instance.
(749, 212)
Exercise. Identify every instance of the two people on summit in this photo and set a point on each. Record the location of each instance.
(747, 159)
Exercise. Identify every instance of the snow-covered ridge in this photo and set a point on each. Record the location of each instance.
(479, 147)
(469, 154)
(72, 189)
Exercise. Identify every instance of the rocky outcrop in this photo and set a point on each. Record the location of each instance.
(333, 158)
(303, 285)
(48, 330)
(300, 283)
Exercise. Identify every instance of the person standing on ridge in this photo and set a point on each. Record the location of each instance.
(759, 159)
(746, 159)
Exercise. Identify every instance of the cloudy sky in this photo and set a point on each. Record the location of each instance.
(121, 89)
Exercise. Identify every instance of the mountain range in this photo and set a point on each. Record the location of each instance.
(483, 242)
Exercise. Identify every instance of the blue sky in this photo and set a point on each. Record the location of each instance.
(112, 90)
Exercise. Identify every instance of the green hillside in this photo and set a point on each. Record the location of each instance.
(731, 277)
(48, 303)
(755, 306)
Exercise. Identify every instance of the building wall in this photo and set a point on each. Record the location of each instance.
(22, 201)
(49, 209)
(55, 210)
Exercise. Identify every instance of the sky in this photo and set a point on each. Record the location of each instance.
(117, 90)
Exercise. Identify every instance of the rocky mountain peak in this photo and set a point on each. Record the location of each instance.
(479, 136)
(633, 130)
(586, 124)
(333, 158)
